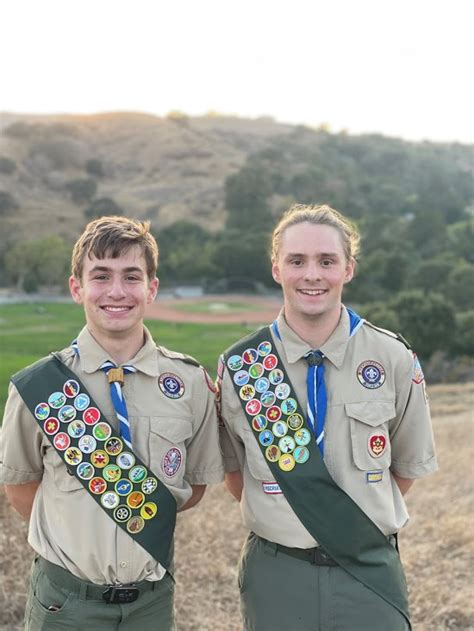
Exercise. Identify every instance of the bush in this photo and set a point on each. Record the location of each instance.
(7, 166)
(102, 206)
(8, 204)
(82, 190)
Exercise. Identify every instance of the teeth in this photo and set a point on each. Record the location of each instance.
(312, 292)
(116, 309)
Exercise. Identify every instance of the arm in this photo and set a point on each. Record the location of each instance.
(21, 497)
(403, 484)
(234, 484)
(196, 497)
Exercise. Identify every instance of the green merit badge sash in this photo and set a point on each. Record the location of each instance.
(348, 535)
(114, 476)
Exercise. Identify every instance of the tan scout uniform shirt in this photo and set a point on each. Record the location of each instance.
(67, 527)
(397, 409)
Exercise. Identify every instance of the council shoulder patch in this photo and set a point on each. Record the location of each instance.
(417, 375)
(171, 385)
(371, 374)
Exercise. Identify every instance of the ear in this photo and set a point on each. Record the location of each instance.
(152, 290)
(276, 271)
(350, 270)
(75, 288)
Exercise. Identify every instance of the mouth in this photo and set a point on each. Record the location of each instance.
(112, 309)
(312, 292)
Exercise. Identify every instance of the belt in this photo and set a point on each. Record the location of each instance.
(113, 594)
(316, 556)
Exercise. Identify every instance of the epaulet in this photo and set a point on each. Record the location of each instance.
(187, 359)
(395, 336)
(244, 340)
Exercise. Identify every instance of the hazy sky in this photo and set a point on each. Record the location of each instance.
(402, 68)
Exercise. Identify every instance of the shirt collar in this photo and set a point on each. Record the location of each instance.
(334, 348)
(92, 355)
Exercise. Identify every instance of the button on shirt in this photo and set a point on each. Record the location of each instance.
(66, 526)
(357, 415)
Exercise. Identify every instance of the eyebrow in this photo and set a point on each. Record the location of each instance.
(126, 270)
(302, 255)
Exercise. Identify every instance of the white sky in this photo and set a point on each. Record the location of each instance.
(398, 67)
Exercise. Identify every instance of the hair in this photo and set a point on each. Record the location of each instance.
(111, 237)
(318, 215)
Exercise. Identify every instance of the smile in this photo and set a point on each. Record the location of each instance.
(312, 292)
(111, 309)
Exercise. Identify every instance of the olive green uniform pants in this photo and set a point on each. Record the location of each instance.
(281, 593)
(59, 601)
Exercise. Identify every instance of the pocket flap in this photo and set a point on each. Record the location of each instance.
(372, 413)
(175, 430)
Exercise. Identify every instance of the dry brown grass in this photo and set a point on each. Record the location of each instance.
(437, 547)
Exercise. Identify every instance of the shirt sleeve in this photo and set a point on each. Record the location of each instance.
(230, 420)
(411, 436)
(21, 443)
(203, 454)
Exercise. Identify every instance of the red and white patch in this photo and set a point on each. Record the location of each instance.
(210, 384)
(417, 376)
(172, 462)
(377, 444)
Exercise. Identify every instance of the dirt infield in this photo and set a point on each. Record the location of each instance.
(218, 309)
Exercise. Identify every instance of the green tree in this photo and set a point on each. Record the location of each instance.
(82, 190)
(463, 340)
(461, 238)
(103, 206)
(246, 195)
(460, 286)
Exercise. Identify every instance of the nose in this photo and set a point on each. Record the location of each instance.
(312, 272)
(116, 289)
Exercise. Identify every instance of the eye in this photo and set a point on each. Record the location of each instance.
(296, 262)
(132, 278)
(327, 262)
(100, 277)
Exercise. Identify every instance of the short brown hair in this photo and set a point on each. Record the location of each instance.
(318, 215)
(111, 237)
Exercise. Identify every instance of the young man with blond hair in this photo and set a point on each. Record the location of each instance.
(103, 442)
(325, 426)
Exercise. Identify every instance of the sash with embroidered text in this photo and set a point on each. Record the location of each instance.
(289, 447)
(132, 495)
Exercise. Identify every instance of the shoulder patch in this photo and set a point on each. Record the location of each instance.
(395, 336)
(187, 359)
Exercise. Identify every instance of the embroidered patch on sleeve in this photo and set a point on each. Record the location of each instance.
(374, 476)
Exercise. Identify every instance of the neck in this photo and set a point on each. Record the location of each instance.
(120, 350)
(314, 329)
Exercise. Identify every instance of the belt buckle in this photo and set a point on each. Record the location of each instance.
(120, 595)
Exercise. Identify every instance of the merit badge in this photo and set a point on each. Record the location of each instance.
(262, 384)
(268, 398)
(113, 446)
(85, 471)
(112, 473)
(272, 453)
(42, 411)
(171, 385)
(250, 356)
(123, 487)
(253, 407)
(149, 485)
(125, 460)
(97, 486)
(371, 374)
(51, 426)
(270, 362)
(280, 428)
(256, 370)
(71, 388)
(135, 525)
(61, 441)
(87, 444)
(67, 413)
(282, 391)
(235, 362)
(99, 458)
(102, 431)
(57, 400)
(259, 422)
(171, 462)
(135, 499)
(241, 377)
(286, 444)
(122, 513)
(81, 402)
(295, 421)
(374, 476)
(73, 455)
(273, 414)
(76, 429)
(148, 510)
(247, 392)
(265, 438)
(276, 376)
(288, 406)
(417, 376)
(301, 455)
(91, 416)
(137, 474)
(110, 500)
(286, 462)
(272, 488)
(264, 349)
(377, 444)
(302, 436)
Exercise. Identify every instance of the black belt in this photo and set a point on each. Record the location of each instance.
(316, 556)
(113, 594)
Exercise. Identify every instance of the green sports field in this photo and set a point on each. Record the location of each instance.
(28, 332)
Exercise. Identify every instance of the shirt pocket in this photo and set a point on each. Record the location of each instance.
(167, 446)
(255, 459)
(369, 433)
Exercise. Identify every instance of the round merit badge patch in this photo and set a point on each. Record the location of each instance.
(377, 444)
(371, 374)
(172, 462)
(171, 385)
